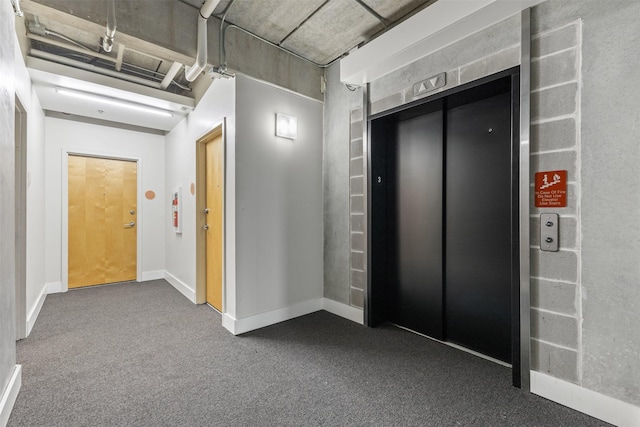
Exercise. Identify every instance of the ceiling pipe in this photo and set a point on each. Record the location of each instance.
(220, 71)
(201, 56)
(16, 8)
(110, 34)
(69, 46)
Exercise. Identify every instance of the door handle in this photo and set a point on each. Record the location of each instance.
(131, 224)
(205, 227)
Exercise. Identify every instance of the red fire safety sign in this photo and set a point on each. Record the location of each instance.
(551, 189)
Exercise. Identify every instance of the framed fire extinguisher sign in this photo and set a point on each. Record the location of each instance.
(176, 214)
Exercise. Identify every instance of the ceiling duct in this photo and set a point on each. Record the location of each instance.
(201, 56)
(110, 33)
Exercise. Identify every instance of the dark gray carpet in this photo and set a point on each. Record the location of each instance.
(142, 355)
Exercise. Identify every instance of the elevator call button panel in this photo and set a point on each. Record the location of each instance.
(549, 232)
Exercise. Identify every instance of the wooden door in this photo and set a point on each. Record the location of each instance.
(214, 219)
(102, 221)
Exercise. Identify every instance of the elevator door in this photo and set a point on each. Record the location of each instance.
(478, 226)
(442, 218)
(418, 219)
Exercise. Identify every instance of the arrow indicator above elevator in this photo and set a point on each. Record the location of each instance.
(430, 84)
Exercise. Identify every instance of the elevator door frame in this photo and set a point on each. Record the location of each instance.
(373, 318)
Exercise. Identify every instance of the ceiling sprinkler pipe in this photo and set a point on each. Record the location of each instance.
(191, 73)
(207, 8)
(110, 34)
(16, 8)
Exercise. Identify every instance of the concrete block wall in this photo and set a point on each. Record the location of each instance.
(336, 170)
(357, 217)
(609, 206)
(555, 145)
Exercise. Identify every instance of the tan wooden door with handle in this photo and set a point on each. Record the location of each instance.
(102, 221)
(214, 219)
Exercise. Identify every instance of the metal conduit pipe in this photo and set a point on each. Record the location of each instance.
(16, 8)
(222, 53)
(110, 34)
(201, 56)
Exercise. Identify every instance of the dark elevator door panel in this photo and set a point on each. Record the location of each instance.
(418, 222)
(478, 226)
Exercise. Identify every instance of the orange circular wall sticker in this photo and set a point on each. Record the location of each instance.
(193, 188)
(150, 195)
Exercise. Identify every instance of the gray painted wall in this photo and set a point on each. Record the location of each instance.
(585, 119)
(278, 200)
(7, 197)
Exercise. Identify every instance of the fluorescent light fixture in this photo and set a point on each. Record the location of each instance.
(114, 101)
(286, 126)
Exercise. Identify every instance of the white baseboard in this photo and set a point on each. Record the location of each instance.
(343, 310)
(229, 323)
(152, 275)
(181, 286)
(592, 403)
(9, 395)
(246, 324)
(35, 311)
(53, 287)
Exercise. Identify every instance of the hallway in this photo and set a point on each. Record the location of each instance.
(143, 355)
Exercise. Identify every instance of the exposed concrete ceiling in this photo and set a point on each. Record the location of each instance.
(318, 30)
(285, 42)
(155, 36)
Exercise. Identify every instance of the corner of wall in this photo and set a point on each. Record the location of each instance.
(34, 311)
(261, 320)
(10, 394)
(181, 287)
(343, 310)
(152, 275)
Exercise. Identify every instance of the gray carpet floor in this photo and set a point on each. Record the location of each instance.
(140, 354)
